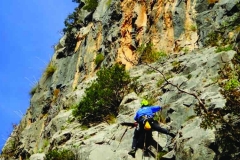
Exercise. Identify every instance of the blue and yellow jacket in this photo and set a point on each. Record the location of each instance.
(147, 111)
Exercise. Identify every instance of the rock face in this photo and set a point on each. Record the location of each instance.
(117, 29)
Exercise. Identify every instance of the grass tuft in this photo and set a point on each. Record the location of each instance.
(50, 70)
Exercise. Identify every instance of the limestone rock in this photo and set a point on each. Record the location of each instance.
(119, 30)
(38, 156)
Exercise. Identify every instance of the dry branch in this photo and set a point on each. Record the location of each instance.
(201, 103)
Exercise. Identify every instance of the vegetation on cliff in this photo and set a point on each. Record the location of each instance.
(60, 155)
(73, 22)
(226, 120)
(148, 54)
(104, 95)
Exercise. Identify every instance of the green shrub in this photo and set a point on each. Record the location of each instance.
(161, 55)
(33, 90)
(149, 71)
(193, 28)
(160, 82)
(168, 76)
(84, 127)
(185, 49)
(99, 59)
(232, 84)
(176, 66)
(148, 54)
(226, 120)
(189, 76)
(72, 20)
(111, 119)
(86, 137)
(72, 23)
(224, 48)
(134, 85)
(50, 70)
(68, 22)
(220, 36)
(213, 39)
(104, 95)
(90, 5)
(60, 155)
(190, 117)
(160, 154)
(77, 1)
(109, 3)
(45, 143)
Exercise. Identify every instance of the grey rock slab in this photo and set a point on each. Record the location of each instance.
(169, 156)
(192, 141)
(38, 156)
(129, 104)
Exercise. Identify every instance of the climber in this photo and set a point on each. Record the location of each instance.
(143, 117)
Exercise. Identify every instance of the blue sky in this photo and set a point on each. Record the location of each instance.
(28, 29)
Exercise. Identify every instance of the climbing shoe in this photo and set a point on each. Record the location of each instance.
(146, 153)
(132, 152)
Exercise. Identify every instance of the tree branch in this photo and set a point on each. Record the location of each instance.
(201, 103)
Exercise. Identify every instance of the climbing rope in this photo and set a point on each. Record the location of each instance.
(121, 138)
(157, 147)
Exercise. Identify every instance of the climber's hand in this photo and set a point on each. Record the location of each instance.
(135, 124)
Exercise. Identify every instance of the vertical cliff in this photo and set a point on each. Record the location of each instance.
(185, 34)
